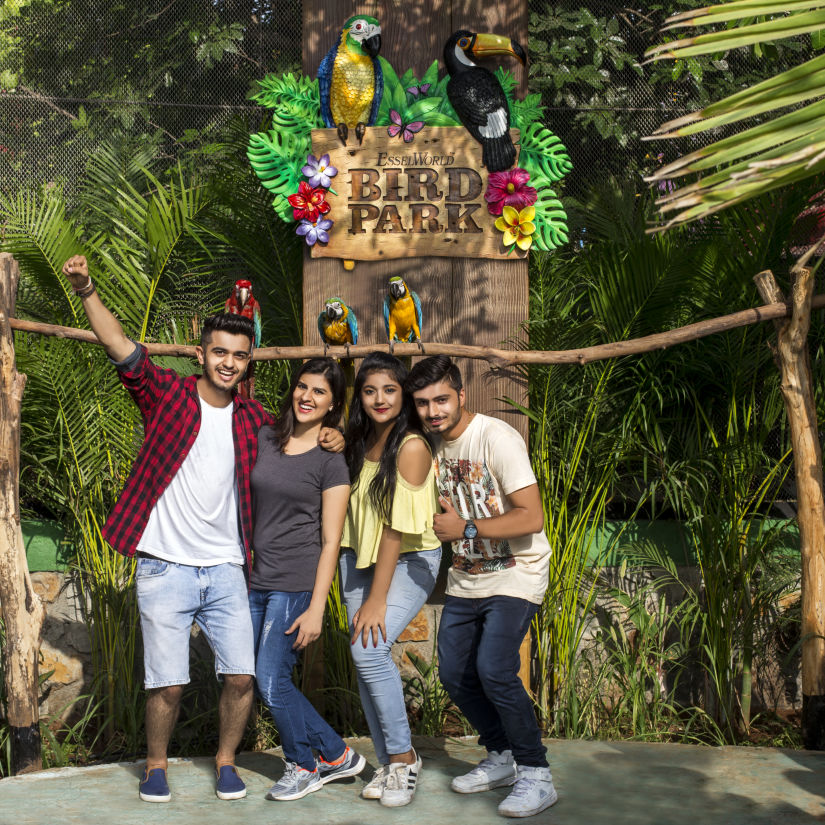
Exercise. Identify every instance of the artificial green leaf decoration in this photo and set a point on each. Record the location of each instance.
(277, 158)
(294, 101)
(525, 112)
(543, 154)
(550, 220)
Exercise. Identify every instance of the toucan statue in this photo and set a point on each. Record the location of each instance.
(477, 96)
(350, 80)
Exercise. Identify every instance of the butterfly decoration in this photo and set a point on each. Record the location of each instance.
(422, 90)
(406, 130)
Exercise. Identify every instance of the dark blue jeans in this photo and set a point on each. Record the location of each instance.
(299, 724)
(478, 661)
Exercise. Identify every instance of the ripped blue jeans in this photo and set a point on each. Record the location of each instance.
(300, 726)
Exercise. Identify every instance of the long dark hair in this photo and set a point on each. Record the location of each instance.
(360, 427)
(285, 423)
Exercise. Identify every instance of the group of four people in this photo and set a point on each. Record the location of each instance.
(217, 478)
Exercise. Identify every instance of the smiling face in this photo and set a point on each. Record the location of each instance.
(225, 359)
(381, 397)
(312, 398)
(439, 406)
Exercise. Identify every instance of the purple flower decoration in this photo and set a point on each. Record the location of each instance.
(318, 171)
(314, 231)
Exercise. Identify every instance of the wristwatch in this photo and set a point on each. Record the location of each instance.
(470, 529)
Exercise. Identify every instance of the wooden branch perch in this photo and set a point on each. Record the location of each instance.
(495, 357)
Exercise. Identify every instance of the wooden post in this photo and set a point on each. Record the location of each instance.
(22, 610)
(794, 361)
(464, 300)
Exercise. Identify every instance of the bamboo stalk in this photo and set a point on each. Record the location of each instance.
(496, 357)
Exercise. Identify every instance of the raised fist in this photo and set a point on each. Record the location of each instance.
(76, 271)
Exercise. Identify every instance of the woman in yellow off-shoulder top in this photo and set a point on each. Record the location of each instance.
(390, 559)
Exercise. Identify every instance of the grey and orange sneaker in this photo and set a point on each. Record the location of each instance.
(350, 763)
(296, 783)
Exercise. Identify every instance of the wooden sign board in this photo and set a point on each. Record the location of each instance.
(397, 199)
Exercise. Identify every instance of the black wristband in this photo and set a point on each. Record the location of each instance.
(87, 290)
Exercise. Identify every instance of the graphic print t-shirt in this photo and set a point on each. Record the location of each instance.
(476, 472)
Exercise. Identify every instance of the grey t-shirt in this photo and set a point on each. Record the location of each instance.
(286, 498)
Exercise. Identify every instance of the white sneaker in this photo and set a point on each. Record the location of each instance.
(533, 793)
(374, 788)
(399, 787)
(494, 771)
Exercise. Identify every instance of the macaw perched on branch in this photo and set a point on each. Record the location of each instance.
(350, 80)
(477, 96)
(242, 302)
(337, 324)
(402, 313)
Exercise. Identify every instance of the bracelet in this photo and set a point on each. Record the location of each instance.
(86, 291)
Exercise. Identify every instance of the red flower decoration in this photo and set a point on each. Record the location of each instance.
(309, 203)
(509, 189)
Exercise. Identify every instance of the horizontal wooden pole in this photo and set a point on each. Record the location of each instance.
(495, 357)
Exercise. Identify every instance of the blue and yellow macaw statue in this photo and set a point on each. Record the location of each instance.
(337, 324)
(402, 313)
(350, 80)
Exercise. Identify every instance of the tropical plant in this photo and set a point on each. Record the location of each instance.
(777, 151)
(162, 253)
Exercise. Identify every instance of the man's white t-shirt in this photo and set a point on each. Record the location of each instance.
(476, 472)
(195, 521)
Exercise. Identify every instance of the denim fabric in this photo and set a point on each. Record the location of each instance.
(379, 682)
(478, 661)
(299, 724)
(170, 597)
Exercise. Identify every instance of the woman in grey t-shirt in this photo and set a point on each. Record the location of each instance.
(300, 494)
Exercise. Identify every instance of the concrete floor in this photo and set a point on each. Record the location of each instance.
(598, 782)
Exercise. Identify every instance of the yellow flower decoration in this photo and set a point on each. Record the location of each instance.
(518, 227)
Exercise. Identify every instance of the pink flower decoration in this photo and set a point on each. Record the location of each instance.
(509, 189)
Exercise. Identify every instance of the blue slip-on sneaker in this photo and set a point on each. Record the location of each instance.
(229, 783)
(350, 764)
(153, 786)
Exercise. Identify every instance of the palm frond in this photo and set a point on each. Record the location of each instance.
(777, 152)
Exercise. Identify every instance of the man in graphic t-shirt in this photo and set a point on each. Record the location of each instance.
(186, 512)
(493, 516)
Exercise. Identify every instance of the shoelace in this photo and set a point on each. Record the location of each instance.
(290, 772)
(522, 787)
(395, 781)
(380, 775)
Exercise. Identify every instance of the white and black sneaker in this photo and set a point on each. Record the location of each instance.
(399, 786)
(533, 793)
(494, 771)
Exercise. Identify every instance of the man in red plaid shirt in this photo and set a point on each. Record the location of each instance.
(186, 511)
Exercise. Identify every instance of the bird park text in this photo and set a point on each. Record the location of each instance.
(394, 201)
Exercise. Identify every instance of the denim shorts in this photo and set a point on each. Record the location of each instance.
(171, 596)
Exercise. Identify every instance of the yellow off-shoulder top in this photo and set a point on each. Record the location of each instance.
(412, 514)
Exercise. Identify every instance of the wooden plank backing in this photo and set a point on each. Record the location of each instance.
(469, 301)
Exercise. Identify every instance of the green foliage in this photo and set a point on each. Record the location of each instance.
(277, 158)
(694, 433)
(164, 250)
(427, 698)
(431, 106)
(294, 102)
(588, 60)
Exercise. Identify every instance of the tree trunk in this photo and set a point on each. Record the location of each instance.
(22, 611)
(793, 359)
